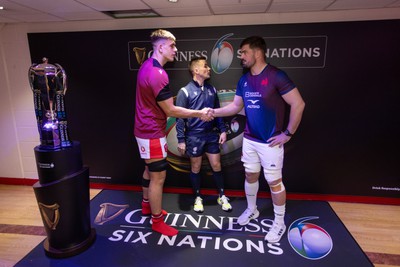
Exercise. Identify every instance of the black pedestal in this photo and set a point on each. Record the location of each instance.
(63, 198)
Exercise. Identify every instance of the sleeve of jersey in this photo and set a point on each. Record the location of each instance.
(284, 83)
(239, 87)
(181, 101)
(160, 85)
(164, 94)
(220, 120)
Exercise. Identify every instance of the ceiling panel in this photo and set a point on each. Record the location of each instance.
(296, 6)
(71, 10)
(38, 17)
(240, 8)
(114, 5)
(157, 4)
(356, 4)
(219, 7)
(395, 4)
(237, 2)
(183, 12)
(91, 15)
(54, 6)
(15, 8)
(179, 9)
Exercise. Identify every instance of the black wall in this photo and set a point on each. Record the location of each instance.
(347, 142)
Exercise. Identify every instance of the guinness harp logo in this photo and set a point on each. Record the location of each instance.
(109, 211)
(50, 214)
(140, 54)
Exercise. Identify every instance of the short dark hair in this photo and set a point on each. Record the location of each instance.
(255, 42)
(193, 61)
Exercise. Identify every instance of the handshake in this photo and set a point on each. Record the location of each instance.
(207, 114)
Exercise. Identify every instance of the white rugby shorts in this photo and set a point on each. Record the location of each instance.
(269, 157)
(152, 148)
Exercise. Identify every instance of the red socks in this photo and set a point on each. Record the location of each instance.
(158, 224)
(161, 227)
(146, 210)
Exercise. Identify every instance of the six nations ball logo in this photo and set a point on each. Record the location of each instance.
(222, 55)
(309, 240)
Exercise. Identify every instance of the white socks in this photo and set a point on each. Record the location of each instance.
(279, 212)
(251, 196)
(251, 191)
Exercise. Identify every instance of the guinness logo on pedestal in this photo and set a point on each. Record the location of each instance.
(50, 214)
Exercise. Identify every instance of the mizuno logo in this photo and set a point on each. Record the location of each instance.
(253, 101)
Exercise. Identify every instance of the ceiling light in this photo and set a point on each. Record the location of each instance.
(173, 1)
(126, 14)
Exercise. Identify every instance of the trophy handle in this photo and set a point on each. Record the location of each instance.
(63, 75)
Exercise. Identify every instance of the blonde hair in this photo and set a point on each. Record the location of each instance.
(161, 34)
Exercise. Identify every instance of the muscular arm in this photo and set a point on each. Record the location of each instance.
(219, 121)
(181, 101)
(178, 112)
(297, 105)
(230, 109)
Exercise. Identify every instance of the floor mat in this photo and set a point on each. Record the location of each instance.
(315, 236)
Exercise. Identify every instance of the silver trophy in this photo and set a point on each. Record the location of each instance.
(49, 85)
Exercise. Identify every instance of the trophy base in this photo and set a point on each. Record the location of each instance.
(69, 252)
(53, 165)
(63, 197)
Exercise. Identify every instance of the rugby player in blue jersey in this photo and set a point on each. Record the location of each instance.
(197, 137)
(264, 91)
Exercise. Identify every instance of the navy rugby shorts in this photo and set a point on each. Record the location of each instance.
(196, 146)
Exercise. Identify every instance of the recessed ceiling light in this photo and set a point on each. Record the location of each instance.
(126, 14)
(173, 1)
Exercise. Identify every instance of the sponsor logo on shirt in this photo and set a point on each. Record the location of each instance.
(252, 94)
(253, 104)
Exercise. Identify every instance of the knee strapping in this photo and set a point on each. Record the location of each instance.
(145, 182)
(252, 167)
(272, 175)
(158, 166)
(280, 184)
